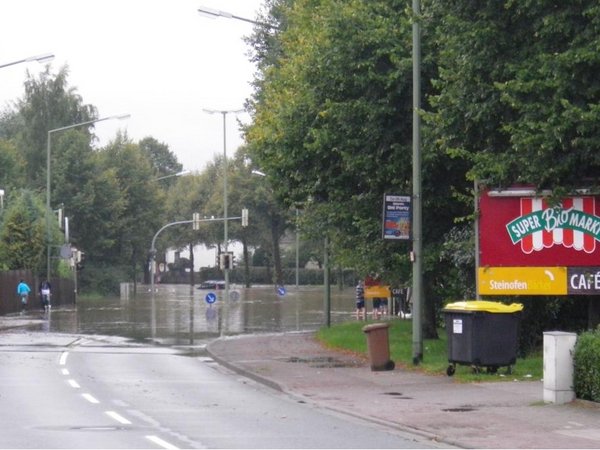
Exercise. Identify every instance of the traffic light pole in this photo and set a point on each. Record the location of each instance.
(196, 222)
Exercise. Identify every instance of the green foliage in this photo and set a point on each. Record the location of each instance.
(12, 167)
(23, 236)
(517, 90)
(103, 278)
(586, 359)
(161, 158)
(49, 103)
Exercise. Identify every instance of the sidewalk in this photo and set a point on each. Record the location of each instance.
(508, 414)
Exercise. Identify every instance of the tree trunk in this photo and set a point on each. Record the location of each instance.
(593, 312)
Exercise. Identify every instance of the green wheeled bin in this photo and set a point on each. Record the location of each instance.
(482, 334)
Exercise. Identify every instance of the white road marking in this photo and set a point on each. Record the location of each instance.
(90, 398)
(63, 358)
(164, 444)
(118, 417)
(65, 371)
(73, 384)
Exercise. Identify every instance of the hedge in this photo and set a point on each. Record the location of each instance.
(586, 359)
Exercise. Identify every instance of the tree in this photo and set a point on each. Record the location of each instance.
(162, 159)
(48, 104)
(517, 92)
(268, 220)
(142, 203)
(23, 233)
(12, 166)
(333, 129)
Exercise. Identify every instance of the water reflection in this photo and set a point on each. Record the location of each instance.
(178, 314)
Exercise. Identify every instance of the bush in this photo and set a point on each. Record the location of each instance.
(101, 279)
(587, 366)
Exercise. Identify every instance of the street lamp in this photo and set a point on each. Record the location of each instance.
(178, 174)
(214, 13)
(417, 253)
(225, 237)
(48, 152)
(39, 58)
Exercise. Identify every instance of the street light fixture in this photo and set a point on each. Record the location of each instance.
(48, 153)
(178, 174)
(47, 57)
(215, 13)
(225, 236)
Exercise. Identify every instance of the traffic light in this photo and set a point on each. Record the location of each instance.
(196, 221)
(225, 261)
(245, 217)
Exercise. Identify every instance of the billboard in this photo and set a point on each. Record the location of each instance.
(527, 231)
(396, 217)
(528, 246)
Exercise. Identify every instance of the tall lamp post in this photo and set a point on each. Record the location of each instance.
(417, 294)
(225, 229)
(39, 58)
(48, 153)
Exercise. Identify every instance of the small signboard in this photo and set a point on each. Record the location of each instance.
(396, 217)
(210, 298)
(281, 291)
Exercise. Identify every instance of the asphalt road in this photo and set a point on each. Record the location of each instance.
(73, 391)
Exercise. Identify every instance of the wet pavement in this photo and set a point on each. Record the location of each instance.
(181, 315)
(269, 338)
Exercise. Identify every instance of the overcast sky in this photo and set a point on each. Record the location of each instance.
(158, 60)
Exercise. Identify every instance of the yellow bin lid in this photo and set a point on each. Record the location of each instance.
(486, 306)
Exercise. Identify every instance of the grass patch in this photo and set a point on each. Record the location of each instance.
(350, 337)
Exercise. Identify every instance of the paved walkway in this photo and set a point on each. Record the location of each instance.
(508, 414)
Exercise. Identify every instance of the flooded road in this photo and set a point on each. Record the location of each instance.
(181, 315)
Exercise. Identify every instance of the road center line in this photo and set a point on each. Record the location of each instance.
(161, 443)
(63, 358)
(90, 398)
(65, 371)
(118, 417)
(73, 384)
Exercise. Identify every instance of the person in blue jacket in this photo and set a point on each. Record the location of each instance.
(23, 291)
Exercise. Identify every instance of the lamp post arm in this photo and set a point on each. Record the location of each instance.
(39, 58)
(213, 13)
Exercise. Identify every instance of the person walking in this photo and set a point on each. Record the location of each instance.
(360, 301)
(23, 291)
(45, 292)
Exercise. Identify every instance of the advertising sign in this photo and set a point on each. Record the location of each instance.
(531, 247)
(396, 217)
(583, 280)
(527, 231)
(523, 281)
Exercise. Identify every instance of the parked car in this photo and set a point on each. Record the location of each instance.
(212, 284)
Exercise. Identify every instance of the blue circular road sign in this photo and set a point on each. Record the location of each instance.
(210, 298)
(280, 291)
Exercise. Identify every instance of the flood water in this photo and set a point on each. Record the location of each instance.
(181, 315)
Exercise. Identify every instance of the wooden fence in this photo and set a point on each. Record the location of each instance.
(63, 291)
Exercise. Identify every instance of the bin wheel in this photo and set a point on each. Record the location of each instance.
(450, 370)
